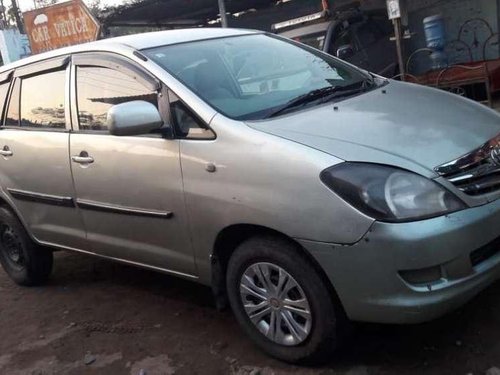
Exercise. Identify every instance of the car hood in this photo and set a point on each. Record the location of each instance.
(411, 126)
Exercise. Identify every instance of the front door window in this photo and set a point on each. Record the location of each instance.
(99, 88)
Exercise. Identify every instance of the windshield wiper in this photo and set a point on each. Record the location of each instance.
(349, 90)
(326, 94)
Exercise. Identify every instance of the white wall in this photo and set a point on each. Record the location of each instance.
(13, 45)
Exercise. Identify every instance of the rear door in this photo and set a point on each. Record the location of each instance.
(129, 189)
(34, 165)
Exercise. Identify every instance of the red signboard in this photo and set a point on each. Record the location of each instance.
(60, 25)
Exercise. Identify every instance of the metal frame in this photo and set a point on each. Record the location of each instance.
(443, 84)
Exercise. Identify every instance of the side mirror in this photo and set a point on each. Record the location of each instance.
(344, 52)
(133, 118)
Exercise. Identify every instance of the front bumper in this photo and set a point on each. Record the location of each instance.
(377, 279)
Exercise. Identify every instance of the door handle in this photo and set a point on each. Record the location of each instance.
(6, 151)
(83, 158)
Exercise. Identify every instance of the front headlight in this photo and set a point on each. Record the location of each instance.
(390, 194)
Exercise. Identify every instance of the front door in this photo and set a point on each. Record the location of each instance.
(129, 189)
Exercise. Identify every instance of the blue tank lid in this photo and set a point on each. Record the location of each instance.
(436, 17)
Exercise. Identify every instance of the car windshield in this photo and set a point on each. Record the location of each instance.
(252, 77)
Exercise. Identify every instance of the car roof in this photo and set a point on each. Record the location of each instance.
(161, 38)
(137, 42)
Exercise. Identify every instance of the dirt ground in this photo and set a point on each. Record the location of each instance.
(98, 317)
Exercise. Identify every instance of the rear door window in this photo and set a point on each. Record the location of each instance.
(42, 101)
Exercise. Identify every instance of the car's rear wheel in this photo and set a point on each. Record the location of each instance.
(281, 302)
(25, 262)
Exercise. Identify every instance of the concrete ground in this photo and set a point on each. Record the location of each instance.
(98, 317)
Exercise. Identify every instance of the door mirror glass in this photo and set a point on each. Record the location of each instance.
(345, 51)
(133, 118)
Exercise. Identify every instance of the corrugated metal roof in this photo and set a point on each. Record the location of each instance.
(176, 12)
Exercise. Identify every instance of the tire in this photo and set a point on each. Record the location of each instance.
(319, 336)
(25, 262)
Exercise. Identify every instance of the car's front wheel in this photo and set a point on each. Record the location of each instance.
(281, 302)
(25, 262)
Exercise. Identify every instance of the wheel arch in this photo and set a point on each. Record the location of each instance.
(4, 202)
(228, 240)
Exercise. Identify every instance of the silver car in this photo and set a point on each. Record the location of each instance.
(305, 191)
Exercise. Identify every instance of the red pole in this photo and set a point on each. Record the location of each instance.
(325, 5)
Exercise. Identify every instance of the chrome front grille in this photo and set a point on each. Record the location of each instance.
(476, 173)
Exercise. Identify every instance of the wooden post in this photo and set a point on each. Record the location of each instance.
(399, 47)
(222, 12)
